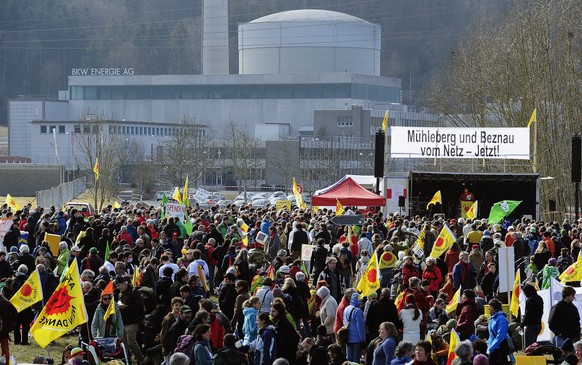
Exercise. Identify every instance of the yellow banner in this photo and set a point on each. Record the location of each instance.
(63, 312)
(465, 207)
(443, 242)
(370, 282)
(29, 293)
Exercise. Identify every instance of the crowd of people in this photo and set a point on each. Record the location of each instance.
(225, 294)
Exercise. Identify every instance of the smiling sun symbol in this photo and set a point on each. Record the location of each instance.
(59, 302)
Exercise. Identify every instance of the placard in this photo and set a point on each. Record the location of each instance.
(280, 204)
(306, 252)
(175, 210)
(480, 143)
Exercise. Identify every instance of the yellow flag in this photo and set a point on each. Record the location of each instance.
(245, 228)
(298, 197)
(399, 301)
(29, 293)
(176, 196)
(79, 236)
(96, 169)
(63, 312)
(339, 208)
(385, 122)
(116, 205)
(472, 212)
(572, 273)
(514, 305)
(135, 278)
(533, 118)
(452, 306)
(435, 199)
(443, 242)
(110, 309)
(185, 199)
(202, 278)
(369, 282)
(453, 342)
(12, 204)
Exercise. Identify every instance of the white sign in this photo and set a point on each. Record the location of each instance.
(306, 252)
(5, 225)
(489, 143)
(175, 210)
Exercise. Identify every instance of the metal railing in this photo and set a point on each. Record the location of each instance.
(61, 194)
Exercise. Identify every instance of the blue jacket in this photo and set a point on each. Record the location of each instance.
(497, 331)
(201, 354)
(470, 281)
(265, 346)
(384, 352)
(62, 225)
(133, 232)
(249, 328)
(401, 360)
(265, 225)
(357, 327)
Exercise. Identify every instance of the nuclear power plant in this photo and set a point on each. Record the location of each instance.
(304, 75)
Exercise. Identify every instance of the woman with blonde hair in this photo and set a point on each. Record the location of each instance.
(385, 351)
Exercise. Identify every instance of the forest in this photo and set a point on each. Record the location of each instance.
(42, 42)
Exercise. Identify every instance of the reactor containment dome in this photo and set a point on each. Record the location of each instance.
(309, 41)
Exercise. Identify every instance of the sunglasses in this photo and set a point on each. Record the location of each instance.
(106, 298)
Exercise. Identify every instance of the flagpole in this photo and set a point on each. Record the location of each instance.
(535, 148)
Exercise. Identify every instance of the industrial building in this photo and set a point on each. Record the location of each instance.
(301, 72)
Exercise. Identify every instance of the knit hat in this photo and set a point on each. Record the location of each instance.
(480, 359)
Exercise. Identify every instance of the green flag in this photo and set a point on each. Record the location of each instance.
(502, 209)
(164, 202)
(188, 225)
(107, 249)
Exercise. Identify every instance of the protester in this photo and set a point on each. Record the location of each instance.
(230, 286)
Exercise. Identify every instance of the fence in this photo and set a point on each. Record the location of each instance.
(61, 194)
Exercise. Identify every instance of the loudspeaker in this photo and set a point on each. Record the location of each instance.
(401, 201)
(552, 205)
(576, 158)
(379, 155)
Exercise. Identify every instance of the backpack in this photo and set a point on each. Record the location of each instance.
(227, 356)
(185, 344)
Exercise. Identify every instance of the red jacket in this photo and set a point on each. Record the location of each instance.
(409, 271)
(217, 335)
(467, 314)
(433, 274)
(339, 315)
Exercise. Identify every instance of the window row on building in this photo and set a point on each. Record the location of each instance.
(270, 91)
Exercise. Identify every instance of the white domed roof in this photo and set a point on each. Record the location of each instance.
(309, 15)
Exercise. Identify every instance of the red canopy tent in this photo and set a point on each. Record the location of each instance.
(349, 193)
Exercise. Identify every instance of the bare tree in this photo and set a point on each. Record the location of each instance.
(186, 153)
(241, 155)
(503, 69)
(98, 140)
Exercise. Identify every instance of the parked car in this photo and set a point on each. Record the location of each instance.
(224, 203)
(260, 203)
(158, 196)
(86, 209)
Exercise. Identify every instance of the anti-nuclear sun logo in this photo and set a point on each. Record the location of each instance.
(59, 302)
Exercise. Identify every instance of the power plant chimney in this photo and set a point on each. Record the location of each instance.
(215, 37)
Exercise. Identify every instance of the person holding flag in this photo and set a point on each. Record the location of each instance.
(107, 320)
